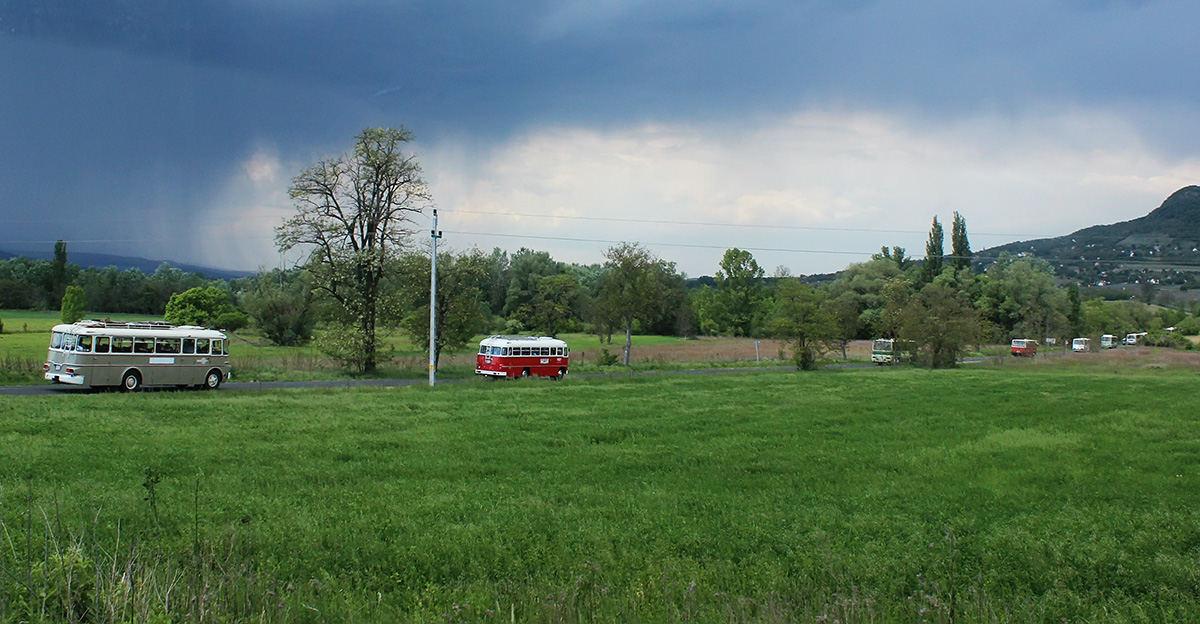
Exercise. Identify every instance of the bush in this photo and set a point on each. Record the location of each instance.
(284, 315)
(1174, 340)
(607, 359)
(73, 304)
(232, 320)
(1189, 326)
(202, 306)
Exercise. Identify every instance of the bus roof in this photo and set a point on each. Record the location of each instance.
(137, 328)
(509, 341)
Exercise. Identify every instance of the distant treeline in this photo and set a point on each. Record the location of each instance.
(530, 292)
(27, 284)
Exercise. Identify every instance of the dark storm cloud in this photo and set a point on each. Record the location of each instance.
(145, 107)
(504, 61)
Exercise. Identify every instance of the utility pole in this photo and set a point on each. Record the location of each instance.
(434, 235)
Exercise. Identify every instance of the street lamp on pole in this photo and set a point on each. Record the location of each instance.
(434, 235)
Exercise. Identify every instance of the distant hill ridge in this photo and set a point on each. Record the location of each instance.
(145, 265)
(1164, 245)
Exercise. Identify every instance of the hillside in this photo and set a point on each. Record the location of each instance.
(1164, 245)
(88, 260)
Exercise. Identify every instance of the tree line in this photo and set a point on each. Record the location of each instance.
(367, 274)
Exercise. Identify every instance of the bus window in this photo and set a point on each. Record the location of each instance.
(218, 347)
(202, 346)
(189, 346)
(143, 345)
(505, 351)
(166, 345)
(84, 344)
(56, 340)
(102, 344)
(68, 342)
(122, 344)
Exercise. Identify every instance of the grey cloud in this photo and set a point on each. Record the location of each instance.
(147, 105)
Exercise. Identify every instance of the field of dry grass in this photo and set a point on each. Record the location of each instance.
(710, 349)
(1137, 357)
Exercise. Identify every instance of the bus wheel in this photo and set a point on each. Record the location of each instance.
(131, 381)
(524, 372)
(562, 372)
(212, 380)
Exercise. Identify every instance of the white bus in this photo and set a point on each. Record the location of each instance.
(135, 354)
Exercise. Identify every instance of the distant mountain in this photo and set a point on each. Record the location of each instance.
(1163, 245)
(100, 261)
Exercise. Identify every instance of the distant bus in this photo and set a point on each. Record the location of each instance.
(1024, 347)
(891, 351)
(1109, 341)
(522, 356)
(134, 354)
(1080, 345)
(1132, 339)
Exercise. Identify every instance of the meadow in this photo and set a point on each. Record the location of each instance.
(1019, 492)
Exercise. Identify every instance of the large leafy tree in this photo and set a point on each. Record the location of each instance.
(942, 323)
(554, 304)
(740, 291)
(526, 268)
(634, 288)
(803, 321)
(351, 213)
(462, 281)
(864, 285)
(1022, 300)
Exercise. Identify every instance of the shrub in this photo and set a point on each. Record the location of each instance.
(232, 320)
(73, 304)
(199, 306)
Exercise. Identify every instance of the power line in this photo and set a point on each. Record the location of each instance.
(688, 245)
(1166, 263)
(734, 225)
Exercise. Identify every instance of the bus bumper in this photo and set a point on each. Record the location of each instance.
(480, 371)
(64, 378)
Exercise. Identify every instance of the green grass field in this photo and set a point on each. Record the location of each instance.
(992, 494)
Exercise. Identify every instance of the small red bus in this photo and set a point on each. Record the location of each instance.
(522, 356)
(1024, 347)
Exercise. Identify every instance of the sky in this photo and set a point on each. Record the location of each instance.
(810, 132)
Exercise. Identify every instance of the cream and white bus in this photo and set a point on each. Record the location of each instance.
(135, 354)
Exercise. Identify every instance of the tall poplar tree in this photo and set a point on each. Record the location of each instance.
(960, 247)
(934, 250)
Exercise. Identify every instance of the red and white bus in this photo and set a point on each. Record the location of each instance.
(522, 356)
(1024, 347)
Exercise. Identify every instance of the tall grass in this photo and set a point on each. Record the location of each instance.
(999, 494)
